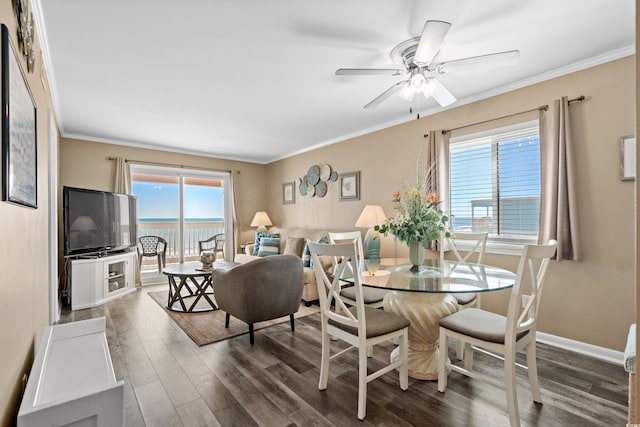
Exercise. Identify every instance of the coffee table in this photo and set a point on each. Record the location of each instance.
(193, 284)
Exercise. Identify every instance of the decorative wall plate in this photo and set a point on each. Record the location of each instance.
(334, 176)
(325, 172)
(302, 187)
(314, 174)
(311, 190)
(321, 189)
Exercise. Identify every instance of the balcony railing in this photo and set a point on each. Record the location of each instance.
(193, 232)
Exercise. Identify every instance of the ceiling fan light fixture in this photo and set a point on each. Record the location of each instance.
(407, 92)
(417, 82)
(428, 89)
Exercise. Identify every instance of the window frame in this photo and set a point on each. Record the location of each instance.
(495, 245)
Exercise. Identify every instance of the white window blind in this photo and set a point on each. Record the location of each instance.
(495, 183)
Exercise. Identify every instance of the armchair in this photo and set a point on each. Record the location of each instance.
(261, 289)
(214, 243)
(152, 246)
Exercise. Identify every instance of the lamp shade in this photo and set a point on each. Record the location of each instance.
(371, 215)
(261, 220)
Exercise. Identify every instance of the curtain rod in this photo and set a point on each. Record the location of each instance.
(142, 162)
(542, 107)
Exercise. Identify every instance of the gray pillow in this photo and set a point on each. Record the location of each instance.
(294, 246)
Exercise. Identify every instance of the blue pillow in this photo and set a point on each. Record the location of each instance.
(306, 253)
(260, 235)
(269, 246)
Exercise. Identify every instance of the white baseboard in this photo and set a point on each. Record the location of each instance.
(601, 353)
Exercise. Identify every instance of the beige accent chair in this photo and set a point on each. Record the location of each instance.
(261, 289)
(499, 334)
(360, 326)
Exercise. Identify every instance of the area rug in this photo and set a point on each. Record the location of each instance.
(208, 327)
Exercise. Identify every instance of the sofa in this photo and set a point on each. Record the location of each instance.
(293, 241)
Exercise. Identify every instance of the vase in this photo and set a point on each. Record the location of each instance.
(416, 255)
(207, 259)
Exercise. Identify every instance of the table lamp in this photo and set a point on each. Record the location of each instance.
(261, 220)
(371, 216)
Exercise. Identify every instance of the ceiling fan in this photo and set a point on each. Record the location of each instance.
(417, 57)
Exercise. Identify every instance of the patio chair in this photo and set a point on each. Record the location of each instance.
(152, 246)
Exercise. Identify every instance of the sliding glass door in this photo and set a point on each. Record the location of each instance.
(183, 207)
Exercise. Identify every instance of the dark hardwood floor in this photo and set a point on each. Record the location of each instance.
(170, 381)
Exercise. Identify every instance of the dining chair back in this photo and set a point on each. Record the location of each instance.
(152, 246)
(372, 297)
(214, 243)
(502, 335)
(476, 244)
(358, 325)
(349, 236)
(474, 253)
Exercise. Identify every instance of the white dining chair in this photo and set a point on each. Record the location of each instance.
(358, 325)
(476, 245)
(501, 335)
(372, 297)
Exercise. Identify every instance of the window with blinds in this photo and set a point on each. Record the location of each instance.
(495, 183)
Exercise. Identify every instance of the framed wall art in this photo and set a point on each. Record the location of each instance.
(19, 148)
(288, 193)
(350, 186)
(628, 158)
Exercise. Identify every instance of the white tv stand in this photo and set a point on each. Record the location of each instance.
(98, 280)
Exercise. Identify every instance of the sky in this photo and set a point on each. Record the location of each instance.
(157, 200)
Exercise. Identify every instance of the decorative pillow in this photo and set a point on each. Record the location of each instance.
(269, 246)
(294, 246)
(306, 254)
(260, 235)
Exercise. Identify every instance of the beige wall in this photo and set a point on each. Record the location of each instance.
(84, 164)
(590, 301)
(23, 256)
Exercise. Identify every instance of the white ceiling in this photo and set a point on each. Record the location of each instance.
(254, 79)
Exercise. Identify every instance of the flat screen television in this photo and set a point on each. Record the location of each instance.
(97, 222)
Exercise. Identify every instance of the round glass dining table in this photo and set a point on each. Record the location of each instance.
(426, 296)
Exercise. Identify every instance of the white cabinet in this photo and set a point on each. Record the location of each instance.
(72, 381)
(95, 281)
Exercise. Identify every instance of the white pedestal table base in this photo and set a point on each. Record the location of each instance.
(424, 311)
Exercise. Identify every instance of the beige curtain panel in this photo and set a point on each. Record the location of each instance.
(236, 225)
(123, 177)
(122, 185)
(558, 204)
(437, 156)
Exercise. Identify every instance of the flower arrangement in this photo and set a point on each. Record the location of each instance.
(419, 220)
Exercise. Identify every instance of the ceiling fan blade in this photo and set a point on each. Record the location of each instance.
(369, 72)
(440, 93)
(481, 62)
(431, 40)
(386, 94)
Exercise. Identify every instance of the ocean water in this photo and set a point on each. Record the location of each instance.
(165, 220)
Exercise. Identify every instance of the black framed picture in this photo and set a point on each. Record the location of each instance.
(19, 143)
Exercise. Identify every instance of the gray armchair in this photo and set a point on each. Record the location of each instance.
(259, 290)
